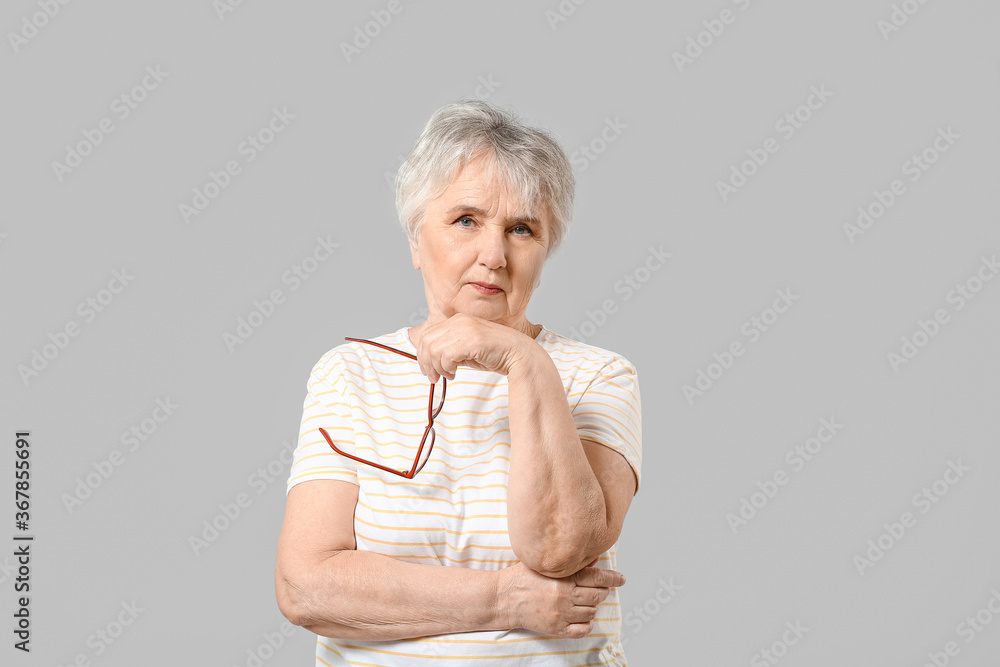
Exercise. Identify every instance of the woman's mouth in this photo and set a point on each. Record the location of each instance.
(486, 288)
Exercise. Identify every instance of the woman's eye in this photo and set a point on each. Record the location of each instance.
(526, 230)
(469, 220)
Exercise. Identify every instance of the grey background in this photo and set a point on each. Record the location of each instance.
(654, 185)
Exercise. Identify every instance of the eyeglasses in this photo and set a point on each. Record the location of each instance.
(426, 446)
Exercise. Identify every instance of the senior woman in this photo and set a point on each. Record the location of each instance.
(459, 486)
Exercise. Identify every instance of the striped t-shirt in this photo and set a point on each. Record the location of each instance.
(373, 403)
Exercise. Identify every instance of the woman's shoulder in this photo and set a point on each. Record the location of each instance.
(583, 356)
(353, 352)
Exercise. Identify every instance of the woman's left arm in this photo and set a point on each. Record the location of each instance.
(567, 497)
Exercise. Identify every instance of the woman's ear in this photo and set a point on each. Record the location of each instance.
(414, 254)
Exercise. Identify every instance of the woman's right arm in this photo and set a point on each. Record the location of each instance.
(324, 584)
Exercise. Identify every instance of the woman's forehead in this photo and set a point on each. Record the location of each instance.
(485, 189)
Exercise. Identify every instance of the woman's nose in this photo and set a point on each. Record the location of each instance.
(492, 253)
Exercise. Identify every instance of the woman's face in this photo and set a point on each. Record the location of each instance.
(477, 234)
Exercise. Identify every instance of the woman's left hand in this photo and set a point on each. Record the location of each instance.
(466, 340)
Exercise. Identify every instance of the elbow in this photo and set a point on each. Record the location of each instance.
(561, 558)
(559, 569)
(289, 604)
(305, 595)
(291, 598)
(564, 547)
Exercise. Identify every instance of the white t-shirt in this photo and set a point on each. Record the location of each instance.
(373, 403)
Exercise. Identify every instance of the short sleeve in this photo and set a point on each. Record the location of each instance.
(609, 412)
(326, 406)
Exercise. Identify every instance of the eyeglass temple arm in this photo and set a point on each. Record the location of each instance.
(384, 347)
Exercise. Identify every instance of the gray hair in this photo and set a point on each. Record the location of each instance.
(529, 160)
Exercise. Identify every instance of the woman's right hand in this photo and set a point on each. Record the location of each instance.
(564, 607)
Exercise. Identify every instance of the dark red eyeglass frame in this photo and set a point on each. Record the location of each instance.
(431, 415)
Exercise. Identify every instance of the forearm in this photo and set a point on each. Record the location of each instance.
(364, 595)
(557, 517)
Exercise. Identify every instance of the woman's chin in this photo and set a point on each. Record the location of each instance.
(482, 310)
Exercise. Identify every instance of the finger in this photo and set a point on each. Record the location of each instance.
(596, 577)
(429, 367)
(580, 614)
(436, 366)
(428, 371)
(441, 370)
(589, 597)
(449, 368)
(578, 630)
